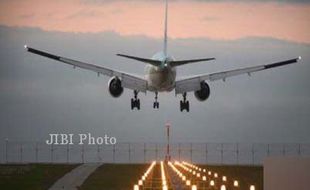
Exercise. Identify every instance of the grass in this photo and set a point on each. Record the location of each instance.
(115, 176)
(31, 176)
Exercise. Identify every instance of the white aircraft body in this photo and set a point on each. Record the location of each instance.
(160, 74)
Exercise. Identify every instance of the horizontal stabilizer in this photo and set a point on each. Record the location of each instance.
(150, 61)
(183, 62)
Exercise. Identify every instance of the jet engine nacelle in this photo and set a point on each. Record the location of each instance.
(204, 92)
(115, 87)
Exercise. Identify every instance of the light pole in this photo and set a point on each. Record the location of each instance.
(6, 150)
(168, 157)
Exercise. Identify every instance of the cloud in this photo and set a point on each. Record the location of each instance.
(27, 16)
(205, 1)
(210, 18)
(187, 19)
(85, 13)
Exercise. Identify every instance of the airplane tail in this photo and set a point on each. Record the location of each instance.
(166, 30)
(165, 51)
(180, 62)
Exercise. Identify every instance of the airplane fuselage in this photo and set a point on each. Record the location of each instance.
(161, 78)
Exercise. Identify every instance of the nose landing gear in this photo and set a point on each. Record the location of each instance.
(184, 105)
(135, 102)
(156, 103)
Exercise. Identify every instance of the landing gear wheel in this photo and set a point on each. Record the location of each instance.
(135, 102)
(187, 106)
(156, 103)
(138, 104)
(132, 103)
(184, 104)
(181, 105)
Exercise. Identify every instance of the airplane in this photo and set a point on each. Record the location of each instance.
(160, 74)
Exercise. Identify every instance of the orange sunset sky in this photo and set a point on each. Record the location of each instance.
(224, 20)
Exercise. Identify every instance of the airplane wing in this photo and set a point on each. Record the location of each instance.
(193, 83)
(128, 81)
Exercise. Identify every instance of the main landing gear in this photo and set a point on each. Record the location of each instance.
(184, 105)
(156, 103)
(135, 102)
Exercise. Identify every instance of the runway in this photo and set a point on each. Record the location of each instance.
(75, 178)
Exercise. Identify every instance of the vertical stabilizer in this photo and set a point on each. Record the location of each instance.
(166, 29)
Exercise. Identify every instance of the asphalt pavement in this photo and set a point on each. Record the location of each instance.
(72, 180)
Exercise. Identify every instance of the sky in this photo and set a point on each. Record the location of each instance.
(229, 19)
(39, 96)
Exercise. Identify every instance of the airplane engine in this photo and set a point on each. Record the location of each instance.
(204, 93)
(115, 87)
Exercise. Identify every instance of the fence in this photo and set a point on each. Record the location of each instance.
(203, 153)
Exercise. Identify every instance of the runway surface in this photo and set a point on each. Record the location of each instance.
(75, 178)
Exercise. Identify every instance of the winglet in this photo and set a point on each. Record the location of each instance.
(299, 58)
(26, 47)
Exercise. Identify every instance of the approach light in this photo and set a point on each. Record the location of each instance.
(252, 187)
(194, 187)
(212, 183)
(140, 182)
(204, 178)
(188, 182)
(224, 178)
(136, 187)
(236, 183)
(164, 183)
(223, 187)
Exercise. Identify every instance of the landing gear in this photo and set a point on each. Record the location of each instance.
(184, 105)
(135, 102)
(156, 103)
